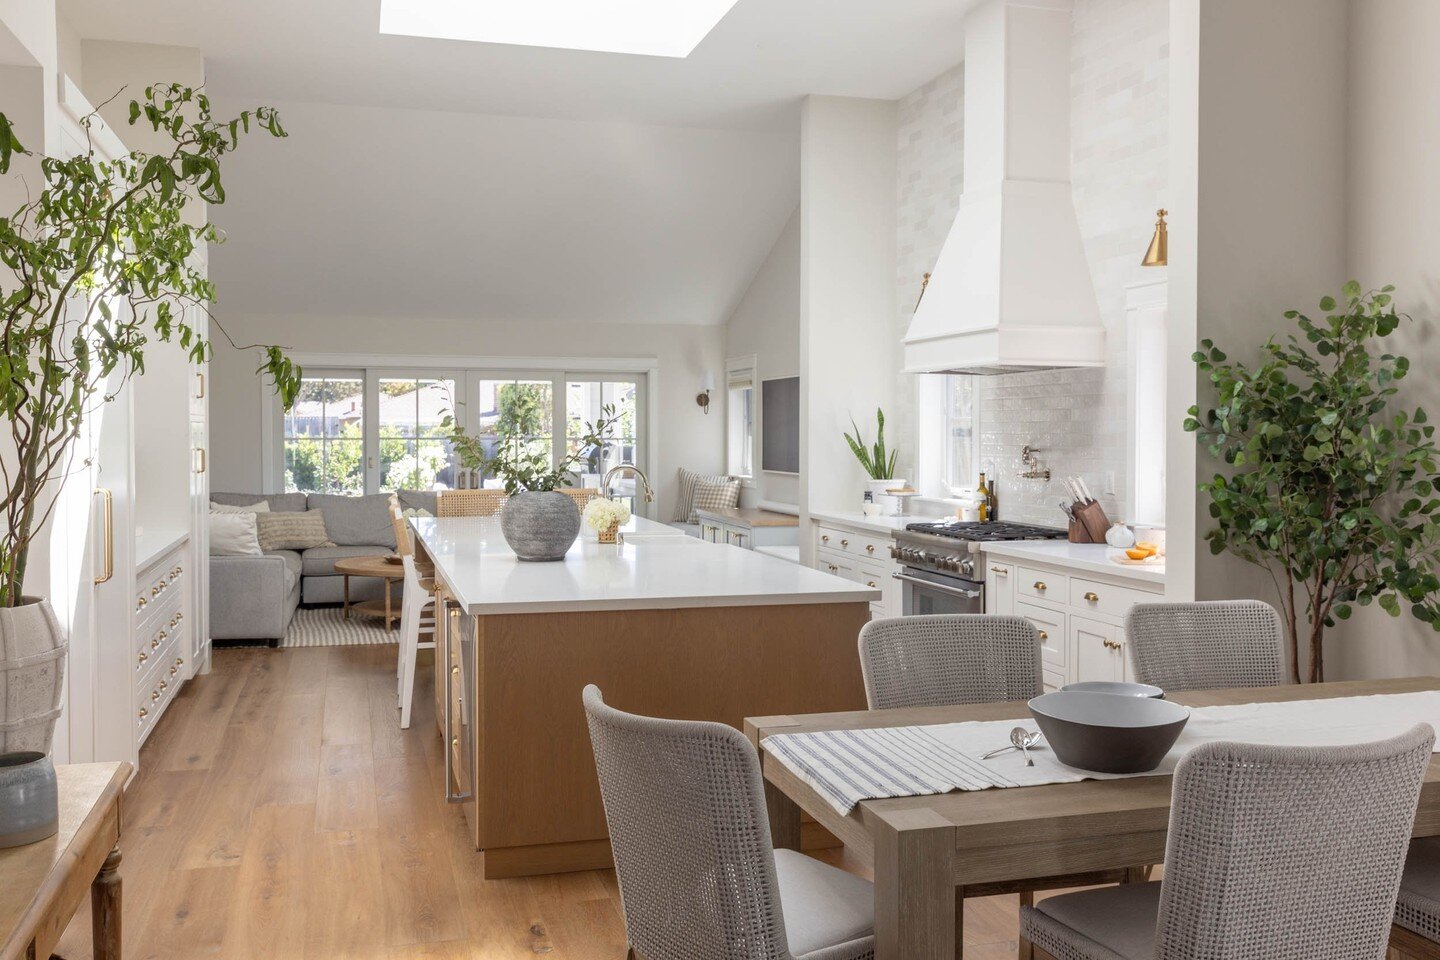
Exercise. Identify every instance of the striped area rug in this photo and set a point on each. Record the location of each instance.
(327, 627)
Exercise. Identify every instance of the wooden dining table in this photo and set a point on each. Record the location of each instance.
(929, 852)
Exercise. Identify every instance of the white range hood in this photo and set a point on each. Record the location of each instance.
(1011, 290)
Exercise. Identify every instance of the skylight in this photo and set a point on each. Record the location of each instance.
(657, 28)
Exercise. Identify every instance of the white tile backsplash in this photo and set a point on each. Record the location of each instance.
(1119, 155)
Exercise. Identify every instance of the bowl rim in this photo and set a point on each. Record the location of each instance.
(1163, 713)
(1139, 689)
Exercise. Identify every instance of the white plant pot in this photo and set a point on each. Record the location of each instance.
(889, 506)
(32, 674)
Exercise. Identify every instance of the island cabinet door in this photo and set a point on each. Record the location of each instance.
(999, 588)
(1099, 650)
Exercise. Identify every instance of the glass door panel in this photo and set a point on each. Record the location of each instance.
(324, 436)
(414, 454)
(523, 409)
(585, 401)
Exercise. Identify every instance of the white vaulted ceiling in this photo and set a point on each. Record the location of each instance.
(436, 178)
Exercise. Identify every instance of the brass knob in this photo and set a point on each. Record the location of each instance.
(869, 548)
(174, 670)
(844, 543)
(455, 741)
(1040, 585)
(454, 671)
(825, 538)
(1044, 635)
(179, 661)
(154, 695)
(164, 685)
(154, 591)
(1092, 597)
(144, 656)
(140, 603)
(869, 583)
(144, 713)
(1113, 645)
(155, 642)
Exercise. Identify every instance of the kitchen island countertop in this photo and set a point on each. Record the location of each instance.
(656, 567)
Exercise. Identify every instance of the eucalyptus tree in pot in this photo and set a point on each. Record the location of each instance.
(538, 520)
(99, 263)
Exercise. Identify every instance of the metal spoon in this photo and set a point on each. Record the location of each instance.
(1025, 743)
(1020, 739)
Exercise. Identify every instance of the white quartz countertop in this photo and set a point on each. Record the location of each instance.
(657, 567)
(881, 525)
(1090, 557)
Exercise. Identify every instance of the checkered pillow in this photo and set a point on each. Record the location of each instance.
(715, 496)
(685, 500)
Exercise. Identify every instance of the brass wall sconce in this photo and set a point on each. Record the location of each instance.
(703, 397)
(1158, 254)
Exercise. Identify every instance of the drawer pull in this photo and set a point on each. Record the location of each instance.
(455, 742)
(1000, 571)
(1092, 597)
(1044, 635)
(154, 695)
(844, 543)
(179, 661)
(869, 548)
(144, 656)
(144, 713)
(140, 603)
(454, 671)
(869, 583)
(174, 670)
(1111, 644)
(164, 685)
(824, 538)
(1040, 585)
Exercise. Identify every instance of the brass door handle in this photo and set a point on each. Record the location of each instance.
(200, 455)
(1040, 585)
(108, 504)
(1092, 597)
(199, 385)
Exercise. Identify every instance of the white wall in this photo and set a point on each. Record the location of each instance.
(847, 288)
(686, 437)
(1393, 236)
(766, 326)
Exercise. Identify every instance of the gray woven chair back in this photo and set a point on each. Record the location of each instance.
(1205, 646)
(686, 810)
(1288, 853)
(950, 659)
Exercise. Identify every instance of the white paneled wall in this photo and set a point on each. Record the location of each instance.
(1119, 151)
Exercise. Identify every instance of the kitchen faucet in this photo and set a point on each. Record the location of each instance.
(627, 468)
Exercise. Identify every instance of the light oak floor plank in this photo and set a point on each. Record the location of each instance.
(281, 813)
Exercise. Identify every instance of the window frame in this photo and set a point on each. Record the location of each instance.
(933, 420)
(733, 366)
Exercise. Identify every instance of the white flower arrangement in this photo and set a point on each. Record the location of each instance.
(602, 514)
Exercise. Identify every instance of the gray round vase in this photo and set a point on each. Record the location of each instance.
(540, 526)
(29, 802)
(32, 675)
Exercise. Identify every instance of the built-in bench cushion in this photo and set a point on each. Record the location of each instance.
(355, 521)
(320, 561)
(279, 502)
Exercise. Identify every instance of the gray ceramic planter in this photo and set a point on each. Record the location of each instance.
(29, 802)
(32, 675)
(540, 526)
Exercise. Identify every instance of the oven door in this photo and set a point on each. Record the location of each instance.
(932, 593)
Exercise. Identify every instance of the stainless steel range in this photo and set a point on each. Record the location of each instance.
(940, 573)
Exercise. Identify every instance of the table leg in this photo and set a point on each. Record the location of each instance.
(784, 818)
(388, 591)
(105, 908)
(347, 596)
(918, 913)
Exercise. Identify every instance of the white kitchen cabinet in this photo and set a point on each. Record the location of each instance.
(748, 529)
(1080, 615)
(864, 557)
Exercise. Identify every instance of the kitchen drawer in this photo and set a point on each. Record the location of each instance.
(845, 542)
(1051, 625)
(1051, 681)
(156, 629)
(158, 588)
(1041, 585)
(852, 568)
(1106, 599)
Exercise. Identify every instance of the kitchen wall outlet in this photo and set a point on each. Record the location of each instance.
(1109, 483)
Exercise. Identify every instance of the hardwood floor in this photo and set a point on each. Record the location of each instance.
(281, 812)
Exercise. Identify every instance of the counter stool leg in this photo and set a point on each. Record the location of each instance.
(347, 596)
(105, 908)
(386, 582)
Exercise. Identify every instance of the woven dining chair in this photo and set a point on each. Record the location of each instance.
(1416, 933)
(1286, 853)
(581, 495)
(948, 660)
(469, 503)
(1205, 646)
(699, 878)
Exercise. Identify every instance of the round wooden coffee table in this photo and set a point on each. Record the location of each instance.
(380, 569)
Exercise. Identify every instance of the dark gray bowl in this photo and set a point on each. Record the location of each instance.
(1116, 687)
(1108, 733)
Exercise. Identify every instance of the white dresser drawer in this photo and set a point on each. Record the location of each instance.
(1106, 599)
(1051, 625)
(853, 544)
(158, 588)
(1047, 585)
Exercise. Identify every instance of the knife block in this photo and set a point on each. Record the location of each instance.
(1089, 523)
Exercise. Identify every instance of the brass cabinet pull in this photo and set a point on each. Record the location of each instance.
(1040, 585)
(869, 548)
(107, 502)
(1000, 571)
(844, 543)
(179, 661)
(144, 713)
(164, 685)
(154, 695)
(1044, 635)
(144, 656)
(455, 742)
(1092, 597)
(454, 671)
(1113, 645)
(869, 583)
(824, 538)
(199, 385)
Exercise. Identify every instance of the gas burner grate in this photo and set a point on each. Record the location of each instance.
(984, 532)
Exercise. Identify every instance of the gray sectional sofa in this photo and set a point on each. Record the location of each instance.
(254, 598)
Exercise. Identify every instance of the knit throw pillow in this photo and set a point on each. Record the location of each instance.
(685, 500)
(715, 496)
(292, 531)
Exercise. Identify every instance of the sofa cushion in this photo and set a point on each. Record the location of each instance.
(292, 566)
(292, 531)
(233, 535)
(283, 502)
(355, 521)
(320, 561)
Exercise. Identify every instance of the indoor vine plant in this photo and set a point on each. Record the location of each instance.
(1328, 484)
(98, 264)
(538, 521)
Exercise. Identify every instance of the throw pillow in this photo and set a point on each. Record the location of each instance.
(715, 496)
(292, 531)
(261, 507)
(232, 534)
(685, 500)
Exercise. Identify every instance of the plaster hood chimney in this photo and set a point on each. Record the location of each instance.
(1011, 290)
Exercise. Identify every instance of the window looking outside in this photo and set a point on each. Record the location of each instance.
(961, 454)
(584, 401)
(324, 436)
(523, 409)
(414, 454)
(740, 417)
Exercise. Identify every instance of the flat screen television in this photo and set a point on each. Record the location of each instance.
(780, 425)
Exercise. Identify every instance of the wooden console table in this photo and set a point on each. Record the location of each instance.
(42, 883)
